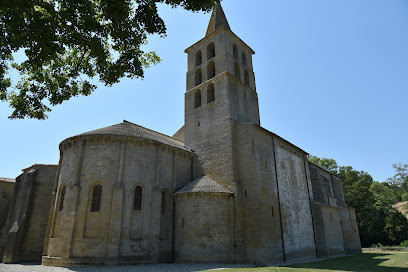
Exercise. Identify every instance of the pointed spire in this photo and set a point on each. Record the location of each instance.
(217, 20)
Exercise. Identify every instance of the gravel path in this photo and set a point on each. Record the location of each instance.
(31, 267)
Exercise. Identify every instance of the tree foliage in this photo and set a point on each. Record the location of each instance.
(328, 164)
(68, 43)
(399, 182)
(378, 221)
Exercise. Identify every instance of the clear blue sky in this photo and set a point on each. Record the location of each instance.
(332, 78)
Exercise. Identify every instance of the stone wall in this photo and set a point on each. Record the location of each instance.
(329, 234)
(204, 228)
(349, 226)
(24, 232)
(258, 195)
(6, 193)
(321, 185)
(335, 223)
(118, 232)
(298, 233)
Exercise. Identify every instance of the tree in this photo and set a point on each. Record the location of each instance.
(399, 182)
(69, 43)
(328, 164)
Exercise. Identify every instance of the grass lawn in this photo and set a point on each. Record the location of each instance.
(366, 262)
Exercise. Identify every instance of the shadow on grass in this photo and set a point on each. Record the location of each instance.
(366, 262)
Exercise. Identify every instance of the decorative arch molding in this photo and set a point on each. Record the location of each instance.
(210, 51)
(235, 51)
(199, 58)
(138, 197)
(211, 70)
(96, 202)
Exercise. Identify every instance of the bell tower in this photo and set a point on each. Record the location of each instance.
(220, 93)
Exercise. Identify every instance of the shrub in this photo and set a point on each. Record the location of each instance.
(404, 243)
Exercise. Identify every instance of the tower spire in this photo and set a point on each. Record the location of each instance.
(217, 20)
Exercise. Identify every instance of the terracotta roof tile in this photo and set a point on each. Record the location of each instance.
(203, 185)
(8, 180)
(132, 130)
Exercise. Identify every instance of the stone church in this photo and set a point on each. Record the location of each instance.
(222, 189)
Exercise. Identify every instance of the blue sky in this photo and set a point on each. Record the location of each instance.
(331, 76)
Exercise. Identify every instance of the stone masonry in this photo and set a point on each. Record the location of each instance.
(222, 189)
(22, 237)
(6, 193)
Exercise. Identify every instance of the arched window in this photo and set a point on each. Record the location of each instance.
(235, 51)
(96, 198)
(197, 99)
(210, 51)
(137, 203)
(163, 202)
(237, 71)
(61, 197)
(199, 58)
(210, 93)
(246, 77)
(211, 70)
(4, 195)
(244, 61)
(198, 77)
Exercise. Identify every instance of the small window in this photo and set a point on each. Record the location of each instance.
(197, 99)
(199, 59)
(198, 77)
(235, 51)
(237, 71)
(210, 93)
(246, 77)
(4, 195)
(163, 202)
(61, 197)
(210, 51)
(137, 203)
(211, 70)
(244, 60)
(96, 198)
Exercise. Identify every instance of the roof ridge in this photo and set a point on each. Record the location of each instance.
(125, 121)
(129, 129)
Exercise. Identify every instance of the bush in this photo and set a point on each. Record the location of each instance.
(404, 243)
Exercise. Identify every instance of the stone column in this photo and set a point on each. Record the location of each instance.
(155, 216)
(72, 202)
(115, 228)
(155, 225)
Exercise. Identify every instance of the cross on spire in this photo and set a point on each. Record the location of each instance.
(217, 20)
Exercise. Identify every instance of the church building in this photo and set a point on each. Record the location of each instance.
(222, 189)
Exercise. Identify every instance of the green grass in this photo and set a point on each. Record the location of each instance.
(366, 262)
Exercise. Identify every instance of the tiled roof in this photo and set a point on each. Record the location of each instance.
(132, 130)
(8, 180)
(203, 185)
